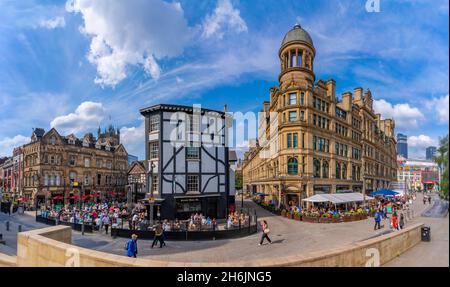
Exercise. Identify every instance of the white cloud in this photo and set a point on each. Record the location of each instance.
(133, 139)
(417, 145)
(8, 144)
(224, 18)
(441, 108)
(404, 115)
(87, 115)
(57, 22)
(133, 32)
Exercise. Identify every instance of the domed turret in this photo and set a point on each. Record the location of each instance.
(297, 34)
(297, 54)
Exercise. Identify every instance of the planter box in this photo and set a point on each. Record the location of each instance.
(311, 219)
(324, 220)
(336, 220)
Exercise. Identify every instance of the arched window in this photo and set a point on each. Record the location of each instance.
(292, 166)
(299, 58)
(338, 170)
(344, 171)
(293, 58)
(316, 168)
(325, 171)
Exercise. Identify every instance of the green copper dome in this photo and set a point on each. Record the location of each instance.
(297, 34)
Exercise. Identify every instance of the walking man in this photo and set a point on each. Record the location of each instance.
(266, 231)
(106, 222)
(158, 236)
(377, 218)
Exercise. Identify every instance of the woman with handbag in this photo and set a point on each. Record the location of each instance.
(266, 231)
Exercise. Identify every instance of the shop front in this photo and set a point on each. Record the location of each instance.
(343, 189)
(322, 189)
(182, 207)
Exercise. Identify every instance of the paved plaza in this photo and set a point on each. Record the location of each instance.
(289, 238)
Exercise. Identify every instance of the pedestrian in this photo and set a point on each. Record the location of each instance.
(377, 218)
(394, 221)
(424, 199)
(401, 222)
(265, 234)
(158, 236)
(106, 221)
(132, 247)
(429, 199)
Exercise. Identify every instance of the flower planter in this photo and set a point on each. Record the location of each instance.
(324, 220)
(335, 220)
(311, 219)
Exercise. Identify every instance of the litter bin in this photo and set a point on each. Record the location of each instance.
(426, 236)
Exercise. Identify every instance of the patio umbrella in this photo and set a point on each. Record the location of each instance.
(260, 194)
(384, 192)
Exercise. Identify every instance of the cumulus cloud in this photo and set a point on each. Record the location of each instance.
(224, 18)
(134, 32)
(133, 139)
(57, 22)
(8, 144)
(421, 141)
(404, 115)
(417, 145)
(440, 106)
(87, 115)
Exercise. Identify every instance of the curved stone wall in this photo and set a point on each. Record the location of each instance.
(52, 247)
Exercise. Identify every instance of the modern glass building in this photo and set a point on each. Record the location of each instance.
(402, 145)
(431, 152)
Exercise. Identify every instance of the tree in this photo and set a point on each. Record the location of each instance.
(441, 159)
(238, 179)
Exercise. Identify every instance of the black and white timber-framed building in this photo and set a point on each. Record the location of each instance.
(188, 160)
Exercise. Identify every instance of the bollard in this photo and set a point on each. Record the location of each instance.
(19, 228)
(82, 228)
(7, 225)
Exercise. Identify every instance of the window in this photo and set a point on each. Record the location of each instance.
(58, 180)
(289, 140)
(87, 162)
(154, 123)
(338, 170)
(154, 150)
(299, 58)
(316, 168)
(295, 140)
(325, 171)
(292, 116)
(192, 152)
(99, 163)
(192, 183)
(99, 179)
(155, 184)
(109, 165)
(314, 119)
(314, 143)
(73, 176)
(292, 166)
(72, 160)
(302, 98)
(302, 115)
(293, 99)
(53, 140)
(303, 140)
(344, 171)
(46, 180)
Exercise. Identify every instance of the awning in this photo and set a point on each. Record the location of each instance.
(384, 192)
(338, 198)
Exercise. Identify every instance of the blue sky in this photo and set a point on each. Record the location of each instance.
(77, 64)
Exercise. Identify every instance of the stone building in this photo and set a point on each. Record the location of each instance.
(56, 165)
(310, 141)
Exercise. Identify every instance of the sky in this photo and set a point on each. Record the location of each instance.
(79, 64)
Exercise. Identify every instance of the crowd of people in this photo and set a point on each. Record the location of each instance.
(106, 215)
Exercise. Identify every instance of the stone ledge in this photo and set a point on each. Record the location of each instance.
(43, 247)
(8, 261)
